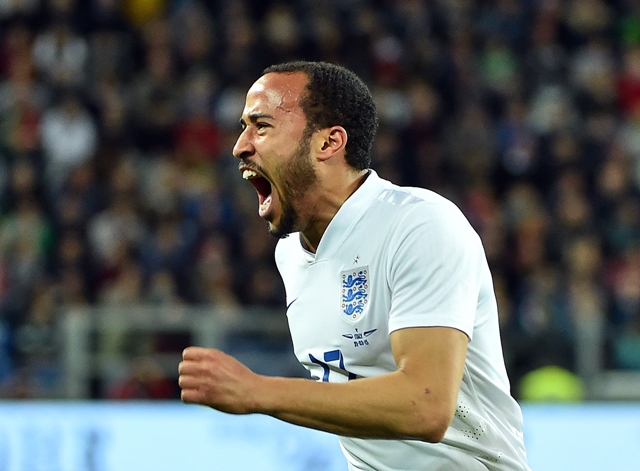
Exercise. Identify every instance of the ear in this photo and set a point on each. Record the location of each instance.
(330, 142)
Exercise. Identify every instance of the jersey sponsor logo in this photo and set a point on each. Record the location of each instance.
(291, 302)
(354, 296)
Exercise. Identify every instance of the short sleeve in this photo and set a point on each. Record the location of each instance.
(435, 269)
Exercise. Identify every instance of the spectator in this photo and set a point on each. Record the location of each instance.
(69, 139)
(117, 120)
(61, 55)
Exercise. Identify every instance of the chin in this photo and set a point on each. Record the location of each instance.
(283, 229)
(276, 231)
(286, 223)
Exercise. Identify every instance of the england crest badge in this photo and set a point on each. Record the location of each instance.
(354, 296)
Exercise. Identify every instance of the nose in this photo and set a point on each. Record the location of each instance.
(243, 147)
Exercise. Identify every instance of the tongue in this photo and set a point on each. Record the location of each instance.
(264, 206)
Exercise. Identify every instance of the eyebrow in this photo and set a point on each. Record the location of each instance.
(253, 117)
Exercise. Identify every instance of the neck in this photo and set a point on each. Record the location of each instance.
(327, 206)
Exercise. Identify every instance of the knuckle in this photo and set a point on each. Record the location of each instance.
(187, 396)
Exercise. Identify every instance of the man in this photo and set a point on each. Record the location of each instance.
(389, 297)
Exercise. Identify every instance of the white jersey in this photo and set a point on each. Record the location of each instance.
(394, 258)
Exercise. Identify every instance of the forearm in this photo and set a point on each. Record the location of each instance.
(416, 401)
(388, 406)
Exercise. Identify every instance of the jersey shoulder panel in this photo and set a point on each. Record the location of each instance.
(408, 208)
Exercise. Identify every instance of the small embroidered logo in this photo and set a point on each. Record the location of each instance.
(359, 339)
(291, 302)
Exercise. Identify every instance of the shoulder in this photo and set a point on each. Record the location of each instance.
(410, 207)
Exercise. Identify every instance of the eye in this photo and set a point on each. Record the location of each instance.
(261, 125)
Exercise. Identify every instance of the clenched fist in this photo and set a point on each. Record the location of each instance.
(215, 379)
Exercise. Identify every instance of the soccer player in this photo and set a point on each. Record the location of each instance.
(390, 300)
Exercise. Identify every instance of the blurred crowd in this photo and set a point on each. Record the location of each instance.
(117, 184)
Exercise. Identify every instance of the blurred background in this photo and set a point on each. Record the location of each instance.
(126, 232)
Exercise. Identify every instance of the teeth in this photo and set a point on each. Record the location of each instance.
(248, 174)
(265, 204)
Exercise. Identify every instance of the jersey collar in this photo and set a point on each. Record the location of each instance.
(348, 215)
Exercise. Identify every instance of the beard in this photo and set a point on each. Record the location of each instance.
(296, 177)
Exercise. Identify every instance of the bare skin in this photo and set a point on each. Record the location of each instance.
(417, 400)
(273, 125)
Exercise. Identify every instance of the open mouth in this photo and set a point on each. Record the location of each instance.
(262, 186)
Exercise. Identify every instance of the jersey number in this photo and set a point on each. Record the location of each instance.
(331, 356)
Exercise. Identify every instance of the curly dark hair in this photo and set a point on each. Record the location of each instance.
(337, 97)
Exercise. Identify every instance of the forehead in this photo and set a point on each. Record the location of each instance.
(276, 93)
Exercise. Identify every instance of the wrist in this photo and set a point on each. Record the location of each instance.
(258, 397)
(267, 395)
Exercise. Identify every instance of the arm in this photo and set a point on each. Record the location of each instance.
(416, 401)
